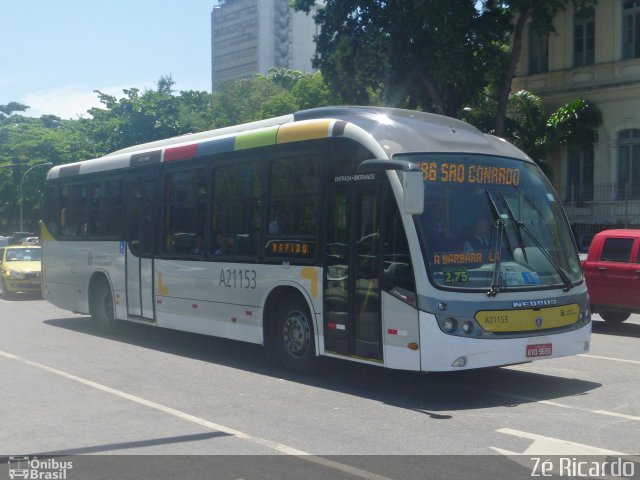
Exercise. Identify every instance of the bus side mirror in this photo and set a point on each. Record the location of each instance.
(411, 177)
(413, 192)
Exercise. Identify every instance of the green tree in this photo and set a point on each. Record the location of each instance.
(11, 108)
(530, 128)
(27, 142)
(428, 54)
(434, 55)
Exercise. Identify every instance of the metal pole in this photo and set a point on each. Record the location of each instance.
(22, 181)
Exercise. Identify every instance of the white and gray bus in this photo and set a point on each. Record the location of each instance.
(384, 236)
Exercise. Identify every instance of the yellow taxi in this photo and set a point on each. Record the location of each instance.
(20, 269)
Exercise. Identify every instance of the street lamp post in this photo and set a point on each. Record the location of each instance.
(22, 181)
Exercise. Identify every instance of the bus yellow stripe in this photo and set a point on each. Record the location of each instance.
(311, 274)
(528, 320)
(296, 132)
(45, 234)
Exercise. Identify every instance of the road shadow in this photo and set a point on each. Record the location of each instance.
(623, 329)
(426, 393)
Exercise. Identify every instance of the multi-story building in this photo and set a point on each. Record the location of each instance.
(594, 55)
(251, 36)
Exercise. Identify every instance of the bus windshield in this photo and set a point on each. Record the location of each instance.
(493, 224)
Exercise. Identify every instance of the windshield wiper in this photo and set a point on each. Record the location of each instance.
(512, 217)
(520, 225)
(499, 224)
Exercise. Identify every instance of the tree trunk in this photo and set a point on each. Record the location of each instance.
(432, 89)
(516, 49)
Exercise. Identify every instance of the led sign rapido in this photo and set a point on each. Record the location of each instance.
(469, 173)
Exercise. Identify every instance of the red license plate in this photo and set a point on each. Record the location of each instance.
(539, 350)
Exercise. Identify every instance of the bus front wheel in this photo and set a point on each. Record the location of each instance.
(101, 303)
(295, 340)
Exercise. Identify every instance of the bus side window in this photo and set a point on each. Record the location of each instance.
(398, 272)
(184, 210)
(236, 209)
(294, 195)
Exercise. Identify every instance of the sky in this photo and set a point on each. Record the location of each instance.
(55, 53)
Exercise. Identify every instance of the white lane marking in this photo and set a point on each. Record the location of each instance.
(610, 358)
(528, 399)
(279, 447)
(553, 446)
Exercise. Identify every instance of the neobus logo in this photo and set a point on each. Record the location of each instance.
(534, 303)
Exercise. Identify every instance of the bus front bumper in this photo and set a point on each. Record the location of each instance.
(440, 352)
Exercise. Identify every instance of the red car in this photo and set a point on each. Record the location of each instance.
(612, 272)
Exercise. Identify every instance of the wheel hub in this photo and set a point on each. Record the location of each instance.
(296, 334)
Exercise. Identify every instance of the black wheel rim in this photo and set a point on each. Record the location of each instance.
(296, 334)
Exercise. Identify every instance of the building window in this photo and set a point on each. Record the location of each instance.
(538, 52)
(628, 164)
(579, 187)
(631, 29)
(584, 28)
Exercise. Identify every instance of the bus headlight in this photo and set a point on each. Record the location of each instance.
(449, 325)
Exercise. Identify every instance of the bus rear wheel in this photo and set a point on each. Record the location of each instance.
(101, 304)
(295, 339)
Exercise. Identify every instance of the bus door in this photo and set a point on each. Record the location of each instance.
(352, 324)
(141, 227)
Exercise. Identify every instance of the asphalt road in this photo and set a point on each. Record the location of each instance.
(69, 388)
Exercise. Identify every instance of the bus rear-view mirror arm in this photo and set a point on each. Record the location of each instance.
(411, 177)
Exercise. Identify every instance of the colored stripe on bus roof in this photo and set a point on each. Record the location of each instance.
(259, 138)
(290, 132)
(295, 132)
(181, 153)
(212, 147)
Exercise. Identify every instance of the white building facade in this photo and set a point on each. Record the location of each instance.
(249, 37)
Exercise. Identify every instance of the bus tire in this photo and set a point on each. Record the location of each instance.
(613, 317)
(101, 303)
(294, 336)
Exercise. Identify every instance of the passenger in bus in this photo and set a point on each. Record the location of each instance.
(280, 225)
(225, 244)
(479, 237)
(68, 228)
(198, 244)
(437, 236)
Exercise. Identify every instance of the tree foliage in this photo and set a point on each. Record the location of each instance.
(435, 55)
(538, 134)
(134, 118)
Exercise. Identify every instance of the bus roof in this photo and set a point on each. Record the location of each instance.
(385, 131)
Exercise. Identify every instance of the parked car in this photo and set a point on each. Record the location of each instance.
(17, 238)
(31, 241)
(20, 269)
(612, 272)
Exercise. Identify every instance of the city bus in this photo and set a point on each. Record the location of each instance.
(343, 232)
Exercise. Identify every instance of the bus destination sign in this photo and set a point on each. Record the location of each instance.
(469, 173)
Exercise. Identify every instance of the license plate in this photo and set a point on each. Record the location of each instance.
(539, 350)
